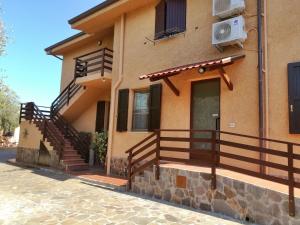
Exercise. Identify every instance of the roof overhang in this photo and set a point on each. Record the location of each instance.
(68, 41)
(75, 41)
(105, 14)
(210, 65)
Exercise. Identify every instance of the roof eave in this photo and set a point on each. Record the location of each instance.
(49, 49)
(92, 11)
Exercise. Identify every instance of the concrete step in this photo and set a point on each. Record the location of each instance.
(71, 157)
(77, 167)
(70, 154)
(68, 161)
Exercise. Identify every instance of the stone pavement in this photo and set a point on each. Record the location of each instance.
(32, 196)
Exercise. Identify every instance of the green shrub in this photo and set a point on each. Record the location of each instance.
(99, 146)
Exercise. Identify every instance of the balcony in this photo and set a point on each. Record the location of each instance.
(94, 66)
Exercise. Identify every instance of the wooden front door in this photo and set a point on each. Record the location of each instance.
(205, 115)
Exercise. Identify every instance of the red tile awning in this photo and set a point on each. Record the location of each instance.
(207, 65)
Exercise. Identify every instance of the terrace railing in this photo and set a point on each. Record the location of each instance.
(93, 62)
(222, 145)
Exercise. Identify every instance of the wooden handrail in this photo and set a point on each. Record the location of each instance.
(81, 145)
(31, 112)
(142, 149)
(65, 96)
(94, 52)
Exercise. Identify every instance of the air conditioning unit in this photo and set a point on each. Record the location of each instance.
(227, 8)
(229, 32)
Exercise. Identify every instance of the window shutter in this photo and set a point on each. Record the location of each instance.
(294, 97)
(100, 116)
(122, 110)
(176, 16)
(160, 19)
(155, 106)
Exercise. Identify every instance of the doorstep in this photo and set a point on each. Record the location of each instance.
(102, 180)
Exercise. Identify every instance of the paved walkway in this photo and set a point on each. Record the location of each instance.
(38, 197)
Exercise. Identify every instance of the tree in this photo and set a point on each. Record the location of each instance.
(3, 38)
(9, 104)
(9, 108)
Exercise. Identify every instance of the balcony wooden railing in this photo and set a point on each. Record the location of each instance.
(97, 61)
(220, 146)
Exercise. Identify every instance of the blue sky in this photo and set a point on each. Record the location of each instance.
(32, 26)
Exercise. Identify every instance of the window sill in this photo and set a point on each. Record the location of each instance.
(140, 131)
(169, 36)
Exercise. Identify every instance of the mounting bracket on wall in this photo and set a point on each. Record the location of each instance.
(171, 86)
(226, 78)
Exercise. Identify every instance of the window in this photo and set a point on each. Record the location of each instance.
(170, 18)
(140, 111)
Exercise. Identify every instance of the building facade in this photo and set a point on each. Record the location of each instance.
(148, 64)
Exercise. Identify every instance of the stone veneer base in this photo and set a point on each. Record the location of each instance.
(233, 198)
(35, 157)
(118, 167)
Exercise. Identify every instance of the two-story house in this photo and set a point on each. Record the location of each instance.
(179, 81)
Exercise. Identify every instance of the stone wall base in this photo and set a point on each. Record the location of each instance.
(38, 157)
(233, 198)
(118, 167)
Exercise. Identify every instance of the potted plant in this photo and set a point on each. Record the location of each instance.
(99, 146)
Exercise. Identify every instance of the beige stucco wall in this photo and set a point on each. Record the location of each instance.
(68, 66)
(30, 137)
(142, 56)
(283, 48)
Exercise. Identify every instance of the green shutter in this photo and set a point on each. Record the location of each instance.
(155, 106)
(294, 97)
(123, 110)
(176, 16)
(160, 19)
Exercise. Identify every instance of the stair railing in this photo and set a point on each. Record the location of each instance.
(33, 113)
(65, 96)
(79, 143)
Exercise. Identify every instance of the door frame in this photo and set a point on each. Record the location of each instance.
(192, 105)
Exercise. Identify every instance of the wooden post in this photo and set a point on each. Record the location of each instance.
(129, 170)
(213, 161)
(157, 171)
(76, 69)
(21, 108)
(291, 181)
(45, 129)
(68, 97)
(103, 62)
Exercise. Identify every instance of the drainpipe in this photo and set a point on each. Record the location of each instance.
(266, 72)
(260, 80)
(114, 95)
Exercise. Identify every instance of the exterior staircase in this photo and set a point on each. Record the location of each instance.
(65, 140)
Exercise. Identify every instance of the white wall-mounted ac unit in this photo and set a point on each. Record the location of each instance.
(227, 8)
(229, 32)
